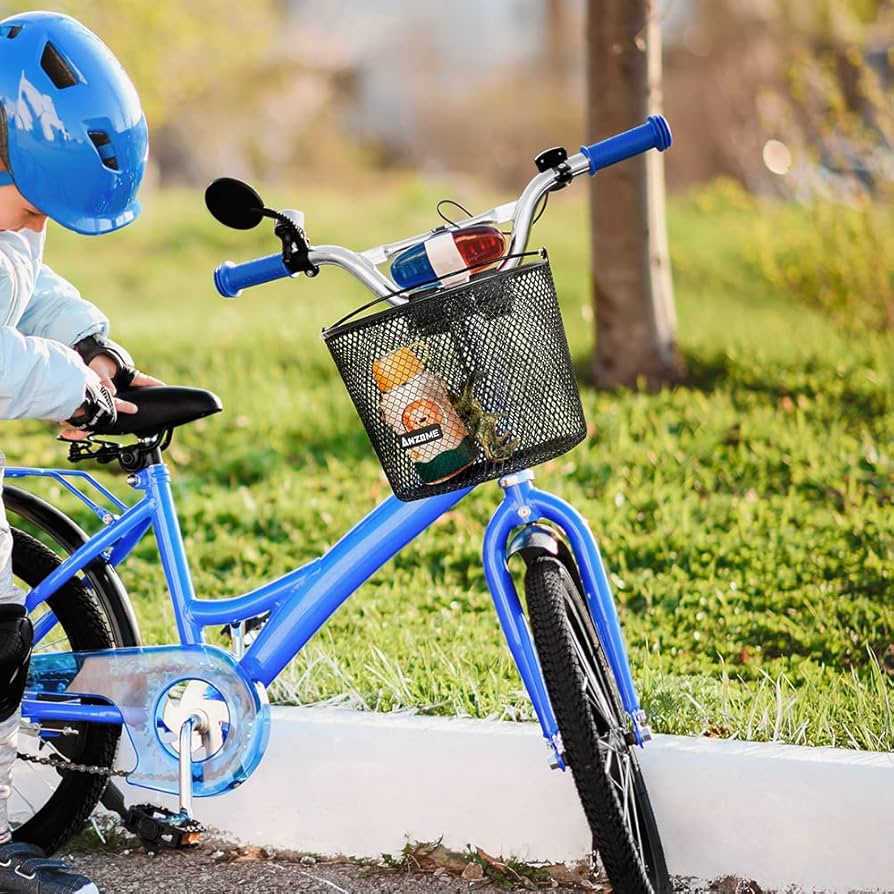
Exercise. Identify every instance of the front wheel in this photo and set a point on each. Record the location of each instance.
(594, 727)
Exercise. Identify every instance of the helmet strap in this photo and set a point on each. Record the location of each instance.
(6, 178)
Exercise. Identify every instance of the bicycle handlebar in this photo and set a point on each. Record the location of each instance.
(230, 278)
(654, 134)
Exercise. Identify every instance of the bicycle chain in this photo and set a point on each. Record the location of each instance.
(72, 767)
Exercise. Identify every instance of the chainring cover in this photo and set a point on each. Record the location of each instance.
(136, 681)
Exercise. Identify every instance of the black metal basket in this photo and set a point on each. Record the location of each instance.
(464, 384)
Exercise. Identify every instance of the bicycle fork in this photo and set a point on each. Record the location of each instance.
(522, 507)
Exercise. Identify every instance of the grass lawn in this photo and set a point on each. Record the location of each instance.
(747, 517)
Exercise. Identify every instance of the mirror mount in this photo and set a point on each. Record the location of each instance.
(237, 205)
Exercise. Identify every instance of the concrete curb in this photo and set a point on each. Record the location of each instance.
(339, 781)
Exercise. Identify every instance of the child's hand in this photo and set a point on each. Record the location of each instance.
(106, 368)
(98, 409)
(76, 434)
(104, 372)
(142, 380)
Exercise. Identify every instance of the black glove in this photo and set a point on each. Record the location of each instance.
(92, 345)
(98, 409)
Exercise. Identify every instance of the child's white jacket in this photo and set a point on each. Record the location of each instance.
(41, 314)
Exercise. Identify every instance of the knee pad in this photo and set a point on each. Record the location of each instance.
(16, 634)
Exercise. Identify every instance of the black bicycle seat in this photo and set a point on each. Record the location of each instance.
(161, 407)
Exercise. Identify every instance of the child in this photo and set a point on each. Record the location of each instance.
(73, 145)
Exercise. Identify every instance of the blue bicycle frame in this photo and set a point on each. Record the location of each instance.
(301, 601)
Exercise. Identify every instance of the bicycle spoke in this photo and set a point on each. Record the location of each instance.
(612, 760)
(595, 690)
(613, 775)
(46, 647)
(619, 767)
(613, 745)
(629, 803)
(624, 782)
(625, 799)
(636, 822)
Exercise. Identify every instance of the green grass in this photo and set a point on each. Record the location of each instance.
(747, 517)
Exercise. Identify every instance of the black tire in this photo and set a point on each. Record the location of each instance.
(86, 628)
(594, 730)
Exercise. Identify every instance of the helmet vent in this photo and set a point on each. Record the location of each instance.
(11, 31)
(103, 144)
(57, 69)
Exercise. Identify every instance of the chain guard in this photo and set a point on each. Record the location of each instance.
(135, 681)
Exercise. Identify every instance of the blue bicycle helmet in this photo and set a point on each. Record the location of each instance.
(76, 136)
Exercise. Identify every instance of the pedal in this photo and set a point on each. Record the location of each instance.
(157, 827)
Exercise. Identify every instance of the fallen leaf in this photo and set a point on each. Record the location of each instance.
(473, 872)
(429, 857)
(493, 862)
(560, 873)
(251, 855)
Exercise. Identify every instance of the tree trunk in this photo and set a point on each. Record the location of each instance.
(632, 290)
(556, 28)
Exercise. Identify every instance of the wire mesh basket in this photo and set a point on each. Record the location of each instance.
(462, 385)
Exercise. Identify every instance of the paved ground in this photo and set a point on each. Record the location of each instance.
(216, 868)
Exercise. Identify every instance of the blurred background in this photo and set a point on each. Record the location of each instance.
(782, 95)
(747, 512)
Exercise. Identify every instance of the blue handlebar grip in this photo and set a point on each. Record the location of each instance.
(654, 134)
(230, 279)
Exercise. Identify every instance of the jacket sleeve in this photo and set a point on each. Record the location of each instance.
(57, 311)
(39, 378)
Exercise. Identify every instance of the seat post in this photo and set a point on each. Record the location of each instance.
(154, 457)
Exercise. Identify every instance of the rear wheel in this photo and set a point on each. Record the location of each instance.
(594, 728)
(43, 521)
(47, 805)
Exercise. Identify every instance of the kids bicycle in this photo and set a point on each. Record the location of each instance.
(465, 378)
